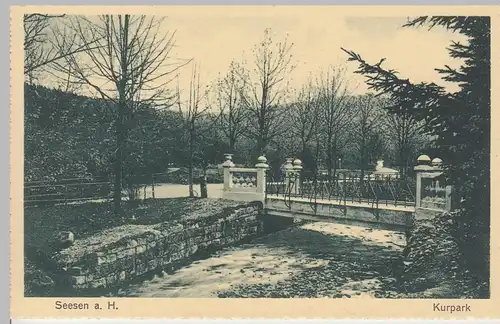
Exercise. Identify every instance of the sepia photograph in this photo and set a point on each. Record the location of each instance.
(260, 155)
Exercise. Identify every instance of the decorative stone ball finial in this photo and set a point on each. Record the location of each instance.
(229, 161)
(424, 159)
(297, 165)
(262, 162)
(288, 164)
(437, 162)
(380, 164)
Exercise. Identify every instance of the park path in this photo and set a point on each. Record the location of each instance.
(312, 260)
(165, 190)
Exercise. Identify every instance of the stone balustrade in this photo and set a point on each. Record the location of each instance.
(244, 184)
(433, 196)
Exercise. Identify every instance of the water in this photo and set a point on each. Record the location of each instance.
(312, 260)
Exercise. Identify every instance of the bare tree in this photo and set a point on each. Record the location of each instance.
(266, 88)
(39, 51)
(366, 126)
(126, 60)
(192, 113)
(336, 114)
(305, 116)
(230, 110)
(406, 134)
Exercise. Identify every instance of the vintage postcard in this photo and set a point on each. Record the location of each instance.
(254, 162)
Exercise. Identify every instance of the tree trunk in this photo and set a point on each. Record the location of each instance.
(117, 194)
(190, 179)
(203, 183)
(232, 144)
(334, 157)
(304, 153)
(362, 164)
(316, 157)
(191, 162)
(404, 165)
(316, 167)
(329, 165)
(120, 129)
(329, 159)
(305, 159)
(334, 170)
(261, 146)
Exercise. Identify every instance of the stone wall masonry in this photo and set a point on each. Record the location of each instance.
(166, 244)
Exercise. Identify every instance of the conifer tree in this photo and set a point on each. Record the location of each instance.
(460, 122)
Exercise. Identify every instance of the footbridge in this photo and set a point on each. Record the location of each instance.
(363, 198)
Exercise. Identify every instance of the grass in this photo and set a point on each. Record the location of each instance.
(89, 219)
(42, 223)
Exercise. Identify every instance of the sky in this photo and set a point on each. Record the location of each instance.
(213, 41)
(214, 38)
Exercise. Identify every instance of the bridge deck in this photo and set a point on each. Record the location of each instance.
(347, 203)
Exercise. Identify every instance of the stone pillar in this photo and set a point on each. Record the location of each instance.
(228, 177)
(261, 175)
(423, 162)
(297, 167)
(418, 192)
(430, 171)
(289, 175)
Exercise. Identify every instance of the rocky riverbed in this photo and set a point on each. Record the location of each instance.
(312, 260)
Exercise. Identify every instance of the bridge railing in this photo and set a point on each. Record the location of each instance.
(427, 191)
(432, 190)
(244, 184)
(345, 188)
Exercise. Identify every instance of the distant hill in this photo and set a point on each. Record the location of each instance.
(69, 136)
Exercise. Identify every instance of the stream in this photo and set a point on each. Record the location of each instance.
(315, 260)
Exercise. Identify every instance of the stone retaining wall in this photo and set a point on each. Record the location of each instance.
(159, 246)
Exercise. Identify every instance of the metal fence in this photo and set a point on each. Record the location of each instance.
(372, 189)
(66, 190)
(73, 190)
(82, 189)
